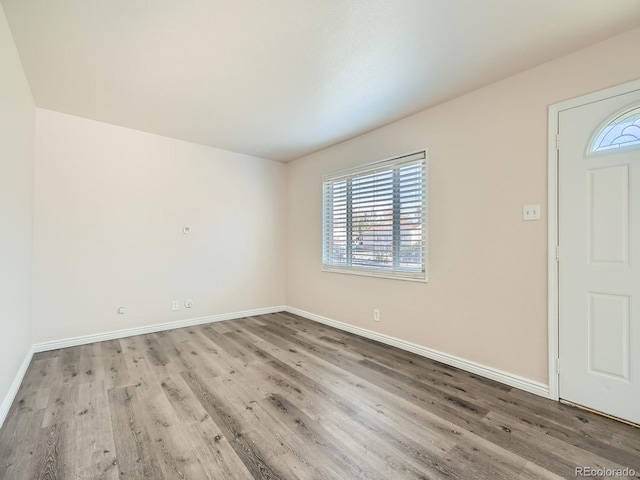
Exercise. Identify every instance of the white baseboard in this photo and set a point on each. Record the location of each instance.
(15, 386)
(501, 376)
(506, 378)
(130, 332)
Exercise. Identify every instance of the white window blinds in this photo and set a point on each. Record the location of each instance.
(375, 219)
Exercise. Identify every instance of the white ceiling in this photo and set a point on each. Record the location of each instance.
(282, 78)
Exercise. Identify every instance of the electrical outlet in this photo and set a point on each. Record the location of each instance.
(121, 311)
(175, 305)
(531, 212)
(376, 315)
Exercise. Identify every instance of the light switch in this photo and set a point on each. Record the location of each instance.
(531, 212)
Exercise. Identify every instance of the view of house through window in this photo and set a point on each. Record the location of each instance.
(375, 219)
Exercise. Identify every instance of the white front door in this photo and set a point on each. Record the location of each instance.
(599, 268)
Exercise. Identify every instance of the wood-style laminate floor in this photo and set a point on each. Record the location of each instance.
(278, 396)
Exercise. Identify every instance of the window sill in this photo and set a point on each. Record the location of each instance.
(365, 272)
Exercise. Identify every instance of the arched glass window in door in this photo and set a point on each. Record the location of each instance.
(621, 132)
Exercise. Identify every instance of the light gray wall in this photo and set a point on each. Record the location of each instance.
(110, 206)
(17, 147)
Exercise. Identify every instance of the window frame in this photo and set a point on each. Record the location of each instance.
(599, 134)
(393, 164)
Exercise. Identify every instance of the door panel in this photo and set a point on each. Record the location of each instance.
(609, 335)
(608, 217)
(599, 269)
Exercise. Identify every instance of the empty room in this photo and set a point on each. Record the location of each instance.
(319, 239)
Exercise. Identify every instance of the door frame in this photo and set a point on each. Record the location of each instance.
(552, 218)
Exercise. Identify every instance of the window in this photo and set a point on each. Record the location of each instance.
(375, 219)
(621, 132)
